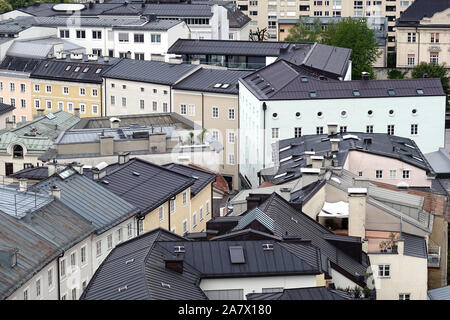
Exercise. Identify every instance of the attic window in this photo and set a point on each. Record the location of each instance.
(86, 70)
(225, 85)
(237, 254)
(124, 288)
(267, 246)
(391, 92)
(77, 69)
(356, 93)
(217, 85)
(98, 70)
(313, 94)
(304, 79)
(419, 91)
(68, 68)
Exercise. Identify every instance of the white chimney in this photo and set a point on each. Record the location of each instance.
(332, 128)
(55, 192)
(335, 144)
(78, 167)
(92, 57)
(124, 157)
(114, 122)
(51, 167)
(23, 184)
(99, 171)
(357, 212)
(317, 161)
(76, 56)
(308, 155)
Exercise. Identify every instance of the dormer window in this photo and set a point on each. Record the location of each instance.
(17, 151)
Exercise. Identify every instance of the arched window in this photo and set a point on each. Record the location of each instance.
(17, 151)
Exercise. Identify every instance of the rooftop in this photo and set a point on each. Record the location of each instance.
(313, 293)
(283, 80)
(202, 177)
(5, 108)
(421, 9)
(442, 293)
(440, 162)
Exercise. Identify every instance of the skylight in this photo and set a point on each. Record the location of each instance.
(304, 79)
(66, 173)
(356, 93)
(86, 70)
(237, 254)
(50, 116)
(313, 94)
(98, 70)
(391, 92)
(225, 85)
(217, 85)
(68, 68)
(419, 91)
(77, 69)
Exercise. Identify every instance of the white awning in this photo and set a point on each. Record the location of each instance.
(334, 210)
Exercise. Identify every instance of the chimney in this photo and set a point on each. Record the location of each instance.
(78, 167)
(91, 5)
(308, 155)
(106, 145)
(124, 157)
(105, 58)
(335, 144)
(8, 258)
(357, 212)
(23, 185)
(76, 112)
(51, 168)
(317, 161)
(114, 122)
(332, 129)
(9, 125)
(400, 246)
(55, 192)
(309, 176)
(174, 264)
(365, 75)
(129, 55)
(157, 142)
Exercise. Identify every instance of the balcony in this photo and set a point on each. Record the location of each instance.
(434, 255)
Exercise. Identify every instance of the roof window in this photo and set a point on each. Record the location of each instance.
(178, 249)
(225, 85)
(68, 68)
(237, 254)
(77, 69)
(137, 174)
(356, 93)
(98, 70)
(419, 91)
(124, 288)
(304, 79)
(391, 92)
(165, 285)
(313, 94)
(217, 85)
(85, 70)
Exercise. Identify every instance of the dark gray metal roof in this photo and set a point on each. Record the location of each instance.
(154, 186)
(202, 178)
(34, 173)
(258, 215)
(178, 10)
(420, 9)
(442, 293)
(205, 80)
(149, 71)
(289, 221)
(19, 64)
(282, 80)
(415, 246)
(313, 293)
(381, 144)
(5, 108)
(39, 237)
(89, 199)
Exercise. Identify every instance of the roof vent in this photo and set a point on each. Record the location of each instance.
(292, 218)
(365, 75)
(129, 261)
(267, 246)
(178, 249)
(137, 174)
(124, 288)
(285, 189)
(165, 285)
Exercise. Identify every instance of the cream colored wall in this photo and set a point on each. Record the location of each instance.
(18, 164)
(369, 163)
(74, 96)
(7, 94)
(199, 201)
(407, 275)
(313, 206)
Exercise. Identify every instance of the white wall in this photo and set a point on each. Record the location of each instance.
(255, 284)
(342, 282)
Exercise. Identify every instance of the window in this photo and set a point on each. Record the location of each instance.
(230, 294)
(275, 133)
(390, 129)
(69, 106)
(94, 109)
(94, 92)
(50, 277)
(434, 57)
(83, 255)
(201, 213)
(98, 247)
(139, 56)
(434, 37)
(84, 285)
(142, 104)
(124, 102)
(139, 37)
(379, 174)
(230, 137)
(171, 205)
(82, 91)
(405, 174)
(98, 53)
(369, 129)
(155, 90)
(164, 106)
(384, 271)
(12, 87)
(130, 230)
(38, 287)
(22, 88)
(194, 219)
(343, 129)
(404, 296)
(231, 160)
(65, 90)
(140, 226)
(253, 13)
(62, 268)
(161, 213)
(184, 226)
(231, 114)
(48, 104)
(74, 294)
(215, 135)
(393, 174)
(109, 241)
(319, 130)
(64, 297)
(156, 38)
(37, 88)
(113, 100)
(123, 37)
(215, 112)
(73, 259)
(183, 109)
(411, 59)
(184, 198)
(119, 235)
(82, 108)
(25, 294)
(23, 103)
(207, 208)
(360, 173)
(81, 34)
(411, 37)
(96, 34)
(414, 129)
(297, 132)
(64, 34)
(155, 106)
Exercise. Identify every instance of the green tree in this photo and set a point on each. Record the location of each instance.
(432, 71)
(356, 35)
(5, 6)
(305, 32)
(396, 74)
